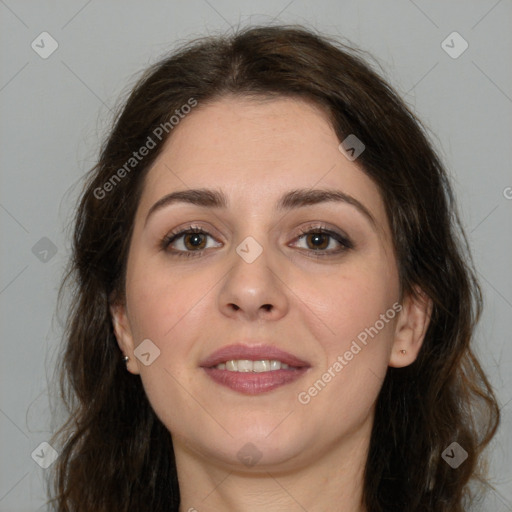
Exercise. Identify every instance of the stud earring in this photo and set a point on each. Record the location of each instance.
(126, 359)
(403, 351)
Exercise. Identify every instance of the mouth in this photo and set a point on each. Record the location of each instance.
(253, 370)
(259, 366)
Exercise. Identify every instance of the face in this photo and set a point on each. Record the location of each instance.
(317, 280)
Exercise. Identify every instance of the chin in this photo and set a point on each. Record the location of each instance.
(258, 450)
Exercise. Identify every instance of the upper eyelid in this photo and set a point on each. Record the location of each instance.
(307, 227)
(303, 231)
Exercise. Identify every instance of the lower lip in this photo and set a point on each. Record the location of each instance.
(250, 383)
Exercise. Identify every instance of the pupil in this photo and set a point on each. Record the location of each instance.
(318, 237)
(197, 239)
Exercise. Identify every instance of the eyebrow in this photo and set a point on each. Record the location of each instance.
(210, 198)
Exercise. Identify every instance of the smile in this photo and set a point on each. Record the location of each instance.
(246, 365)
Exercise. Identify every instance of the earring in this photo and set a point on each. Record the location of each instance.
(403, 351)
(126, 359)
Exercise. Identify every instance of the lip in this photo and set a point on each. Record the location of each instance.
(252, 353)
(250, 383)
(255, 383)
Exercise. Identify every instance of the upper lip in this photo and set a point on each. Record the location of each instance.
(251, 353)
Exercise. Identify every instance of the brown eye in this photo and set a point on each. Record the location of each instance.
(318, 240)
(194, 240)
(187, 242)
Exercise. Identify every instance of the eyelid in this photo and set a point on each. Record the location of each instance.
(339, 236)
(324, 227)
(313, 227)
(179, 232)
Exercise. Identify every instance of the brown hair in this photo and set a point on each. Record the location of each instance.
(116, 455)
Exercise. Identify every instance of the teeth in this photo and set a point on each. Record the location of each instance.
(261, 366)
(230, 365)
(275, 365)
(244, 365)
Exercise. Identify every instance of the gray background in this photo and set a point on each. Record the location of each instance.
(54, 112)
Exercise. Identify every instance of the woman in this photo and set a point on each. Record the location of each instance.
(274, 300)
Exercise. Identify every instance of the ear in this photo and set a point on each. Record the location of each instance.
(123, 334)
(410, 329)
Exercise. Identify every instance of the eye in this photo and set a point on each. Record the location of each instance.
(318, 239)
(190, 241)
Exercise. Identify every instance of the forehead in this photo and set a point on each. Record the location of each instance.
(237, 129)
(255, 151)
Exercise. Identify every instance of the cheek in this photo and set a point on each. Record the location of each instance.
(163, 300)
(356, 335)
(167, 309)
(352, 318)
(343, 303)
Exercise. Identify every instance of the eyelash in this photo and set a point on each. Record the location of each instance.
(345, 242)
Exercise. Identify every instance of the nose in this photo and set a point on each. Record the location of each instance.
(254, 289)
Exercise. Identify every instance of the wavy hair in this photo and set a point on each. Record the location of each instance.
(115, 454)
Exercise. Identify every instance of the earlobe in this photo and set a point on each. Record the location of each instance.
(123, 333)
(410, 330)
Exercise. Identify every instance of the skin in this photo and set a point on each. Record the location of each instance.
(312, 455)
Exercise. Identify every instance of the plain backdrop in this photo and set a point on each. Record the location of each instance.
(55, 112)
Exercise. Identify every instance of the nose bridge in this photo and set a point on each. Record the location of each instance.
(252, 230)
(253, 242)
(252, 257)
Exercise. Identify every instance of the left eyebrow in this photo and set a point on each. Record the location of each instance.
(299, 198)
